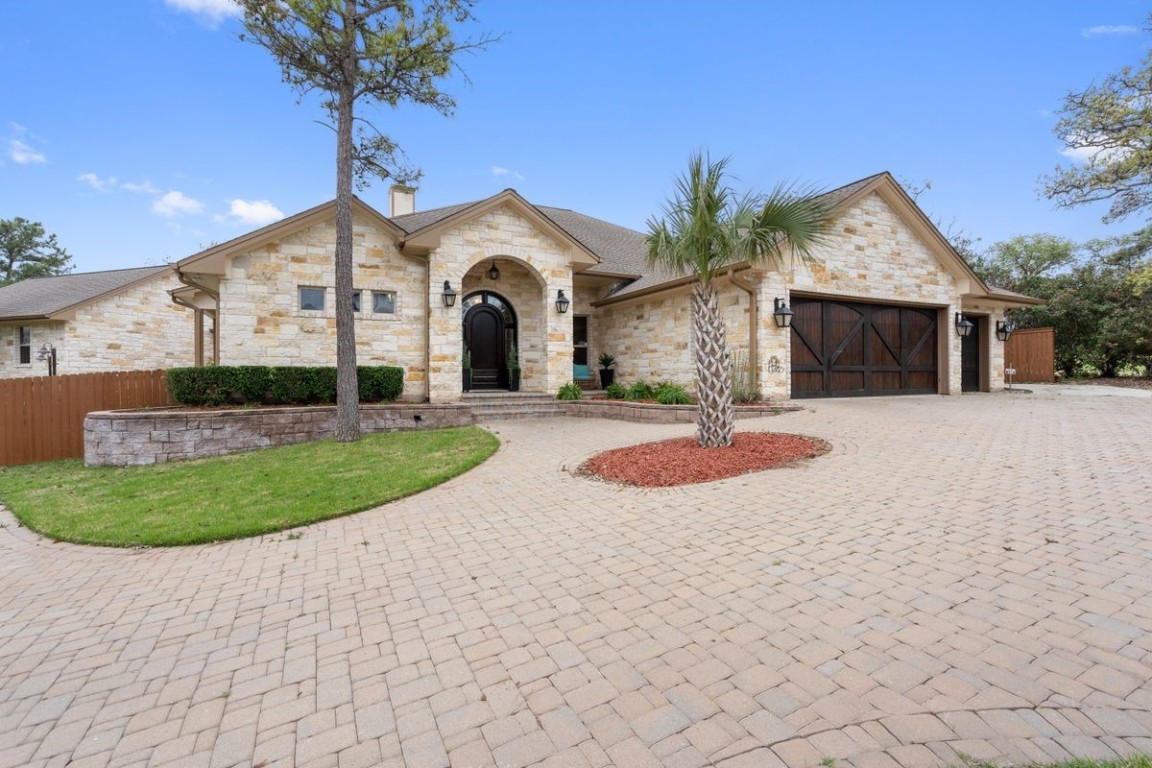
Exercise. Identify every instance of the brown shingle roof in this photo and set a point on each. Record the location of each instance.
(41, 297)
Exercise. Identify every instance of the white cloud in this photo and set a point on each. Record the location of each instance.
(499, 170)
(1092, 155)
(254, 212)
(22, 154)
(1110, 29)
(142, 186)
(174, 203)
(97, 183)
(211, 11)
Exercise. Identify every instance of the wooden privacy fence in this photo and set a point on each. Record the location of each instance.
(42, 417)
(1032, 352)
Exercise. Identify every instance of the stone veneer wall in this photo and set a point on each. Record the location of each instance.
(261, 322)
(136, 329)
(652, 338)
(499, 234)
(123, 438)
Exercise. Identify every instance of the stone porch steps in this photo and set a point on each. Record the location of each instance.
(492, 406)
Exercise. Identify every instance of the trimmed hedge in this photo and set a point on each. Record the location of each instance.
(278, 385)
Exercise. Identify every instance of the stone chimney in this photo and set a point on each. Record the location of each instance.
(401, 200)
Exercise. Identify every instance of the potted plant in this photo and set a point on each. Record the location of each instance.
(513, 369)
(607, 375)
(467, 368)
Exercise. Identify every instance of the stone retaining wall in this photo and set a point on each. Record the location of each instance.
(660, 414)
(122, 438)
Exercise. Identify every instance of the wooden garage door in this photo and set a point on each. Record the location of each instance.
(843, 349)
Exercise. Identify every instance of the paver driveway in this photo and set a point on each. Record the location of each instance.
(960, 575)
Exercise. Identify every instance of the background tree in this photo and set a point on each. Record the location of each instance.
(1109, 128)
(27, 251)
(707, 229)
(1097, 296)
(360, 51)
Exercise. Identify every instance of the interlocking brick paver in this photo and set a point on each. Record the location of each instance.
(949, 578)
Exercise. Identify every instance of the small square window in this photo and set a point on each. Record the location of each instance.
(312, 299)
(25, 336)
(356, 301)
(384, 302)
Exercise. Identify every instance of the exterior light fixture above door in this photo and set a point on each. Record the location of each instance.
(493, 272)
(562, 302)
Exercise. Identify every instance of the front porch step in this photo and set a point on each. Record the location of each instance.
(491, 406)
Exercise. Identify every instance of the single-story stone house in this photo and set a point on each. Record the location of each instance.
(875, 310)
(116, 320)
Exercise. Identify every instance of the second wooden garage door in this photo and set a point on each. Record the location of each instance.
(844, 349)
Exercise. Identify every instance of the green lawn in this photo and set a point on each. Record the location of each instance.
(231, 497)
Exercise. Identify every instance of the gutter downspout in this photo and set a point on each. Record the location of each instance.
(743, 284)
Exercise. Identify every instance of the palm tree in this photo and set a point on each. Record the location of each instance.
(707, 229)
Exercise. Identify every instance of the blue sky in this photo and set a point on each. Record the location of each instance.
(141, 131)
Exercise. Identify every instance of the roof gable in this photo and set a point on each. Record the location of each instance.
(428, 228)
(54, 298)
(213, 260)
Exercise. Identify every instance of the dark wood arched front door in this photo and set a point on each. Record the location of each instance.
(484, 334)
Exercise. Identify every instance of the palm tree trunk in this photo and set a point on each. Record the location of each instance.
(347, 389)
(716, 418)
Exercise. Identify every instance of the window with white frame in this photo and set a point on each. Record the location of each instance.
(312, 299)
(24, 334)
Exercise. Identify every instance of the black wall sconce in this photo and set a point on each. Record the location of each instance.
(562, 302)
(448, 295)
(782, 314)
(1004, 330)
(964, 326)
(493, 272)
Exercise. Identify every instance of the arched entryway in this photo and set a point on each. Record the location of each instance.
(489, 335)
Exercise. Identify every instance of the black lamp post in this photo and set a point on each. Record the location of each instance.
(47, 354)
(448, 295)
(1003, 330)
(782, 314)
(562, 302)
(964, 326)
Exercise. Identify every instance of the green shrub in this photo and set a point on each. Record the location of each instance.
(570, 391)
(641, 390)
(278, 385)
(380, 383)
(668, 393)
(615, 391)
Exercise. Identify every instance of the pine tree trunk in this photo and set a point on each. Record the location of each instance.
(716, 418)
(347, 387)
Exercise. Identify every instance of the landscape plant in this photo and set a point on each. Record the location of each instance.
(640, 390)
(706, 229)
(615, 391)
(570, 391)
(670, 393)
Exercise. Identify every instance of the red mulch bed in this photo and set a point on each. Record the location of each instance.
(682, 461)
